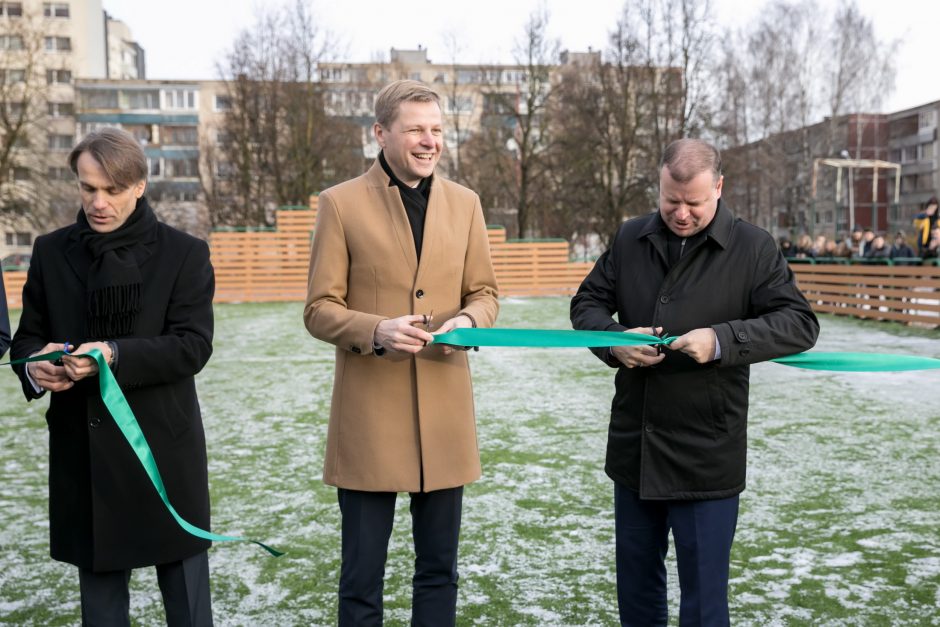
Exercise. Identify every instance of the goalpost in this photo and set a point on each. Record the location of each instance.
(852, 165)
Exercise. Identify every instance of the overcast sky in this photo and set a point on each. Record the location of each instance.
(185, 39)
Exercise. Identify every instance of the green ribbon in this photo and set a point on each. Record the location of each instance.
(547, 338)
(858, 362)
(124, 417)
(544, 338)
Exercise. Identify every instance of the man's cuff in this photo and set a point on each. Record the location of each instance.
(36, 387)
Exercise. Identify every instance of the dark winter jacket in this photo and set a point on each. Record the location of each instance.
(104, 512)
(679, 430)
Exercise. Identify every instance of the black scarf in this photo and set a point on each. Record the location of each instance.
(114, 282)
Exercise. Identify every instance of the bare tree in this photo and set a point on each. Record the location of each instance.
(516, 125)
(677, 37)
(278, 143)
(604, 155)
(779, 78)
(33, 182)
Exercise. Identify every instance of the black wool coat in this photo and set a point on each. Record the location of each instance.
(679, 430)
(104, 512)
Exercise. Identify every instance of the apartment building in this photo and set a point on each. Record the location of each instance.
(770, 182)
(44, 48)
(913, 142)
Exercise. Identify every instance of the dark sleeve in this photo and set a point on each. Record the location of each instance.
(185, 345)
(781, 322)
(32, 333)
(4, 319)
(592, 308)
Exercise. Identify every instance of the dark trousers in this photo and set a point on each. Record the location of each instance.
(702, 531)
(367, 526)
(184, 586)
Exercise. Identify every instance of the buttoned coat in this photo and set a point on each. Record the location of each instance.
(679, 430)
(104, 512)
(398, 423)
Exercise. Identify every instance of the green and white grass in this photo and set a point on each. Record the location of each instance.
(840, 524)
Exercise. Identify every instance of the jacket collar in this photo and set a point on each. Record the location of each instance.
(376, 177)
(719, 230)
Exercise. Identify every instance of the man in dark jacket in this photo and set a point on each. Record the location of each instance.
(678, 430)
(141, 292)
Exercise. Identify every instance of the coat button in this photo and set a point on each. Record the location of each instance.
(649, 428)
(420, 293)
(744, 352)
(664, 299)
(94, 422)
(742, 336)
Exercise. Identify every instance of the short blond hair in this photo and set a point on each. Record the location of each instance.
(392, 95)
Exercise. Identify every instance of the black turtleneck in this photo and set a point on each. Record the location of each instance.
(415, 200)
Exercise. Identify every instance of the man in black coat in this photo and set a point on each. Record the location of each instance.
(141, 292)
(678, 430)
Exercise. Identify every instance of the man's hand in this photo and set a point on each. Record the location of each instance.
(699, 344)
(77, 368)
(401, 334)
(47, 375)
(639, 356)
(457, 322)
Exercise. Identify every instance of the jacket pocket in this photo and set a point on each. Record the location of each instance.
(716, 399)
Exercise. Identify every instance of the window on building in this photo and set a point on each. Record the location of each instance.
(179, 136)
(11, 9)
(460, 104)
(99, 98)
(60, 142)
(927, 119)
(223, 103)
(55, 9)
(143, 133)
(11, 42)
(140, 99)
(58, 77)
(12, 77)
(21, 174)
(179, 99)
(58, 44)
(926, 151)
(153, 166)
(14, 109)
(19, 238)
(61, 109)
(58, 173)
(187, 167)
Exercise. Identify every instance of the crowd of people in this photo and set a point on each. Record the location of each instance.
(865, 243)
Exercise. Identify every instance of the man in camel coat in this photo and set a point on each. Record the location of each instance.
(395, 251)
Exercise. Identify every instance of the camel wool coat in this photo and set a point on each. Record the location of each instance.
(398, 423)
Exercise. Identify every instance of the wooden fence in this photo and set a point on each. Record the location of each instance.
(271, 265)
(909, 294)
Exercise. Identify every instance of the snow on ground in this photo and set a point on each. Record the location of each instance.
(839, 524)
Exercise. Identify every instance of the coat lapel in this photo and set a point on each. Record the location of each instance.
(77, 256)
(396, 212)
